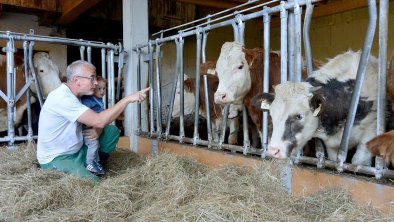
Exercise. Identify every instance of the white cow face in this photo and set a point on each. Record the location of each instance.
(294, 122)
(47, 73)
(234, 75)
(189, 99)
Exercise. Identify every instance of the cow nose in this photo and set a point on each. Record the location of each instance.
(220, 97)
(273, 152)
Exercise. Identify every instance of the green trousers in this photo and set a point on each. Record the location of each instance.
(75, 163)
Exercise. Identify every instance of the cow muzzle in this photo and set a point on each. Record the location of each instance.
(221, 98)
(274, 152)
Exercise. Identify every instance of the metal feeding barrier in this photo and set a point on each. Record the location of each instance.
(294, 32)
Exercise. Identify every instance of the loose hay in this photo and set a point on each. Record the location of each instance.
(163, 188)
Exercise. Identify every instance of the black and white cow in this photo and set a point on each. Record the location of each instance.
(319, 107)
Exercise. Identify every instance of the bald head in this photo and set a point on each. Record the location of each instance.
(75, 68)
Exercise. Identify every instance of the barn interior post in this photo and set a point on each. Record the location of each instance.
(197, 93)
(158, 87)
(135, 31)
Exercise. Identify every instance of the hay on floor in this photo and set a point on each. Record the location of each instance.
(163, 188)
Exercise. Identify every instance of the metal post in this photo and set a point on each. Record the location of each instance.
(89, 52)
(197, 93)
(82, 52)
(267, 23)
(158, 87)
(307, 42)
(10, 50)
(283, 43)
(120, 74)
(103, 72)
(206, 91)
(342, 153)
(152, 90)
(298, 40)
(381, 106)
(291, 43)
(27, 78)
(181, 74)
(138, 89)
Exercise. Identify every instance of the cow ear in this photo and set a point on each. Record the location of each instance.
(263, 101)
(250, 57)
(317, 104)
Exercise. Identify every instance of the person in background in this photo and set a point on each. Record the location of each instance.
(60, 140)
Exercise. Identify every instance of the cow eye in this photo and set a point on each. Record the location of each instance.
(41, 70)
(241, 66)
(299, 117)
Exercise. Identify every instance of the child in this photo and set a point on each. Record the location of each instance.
(94, 102)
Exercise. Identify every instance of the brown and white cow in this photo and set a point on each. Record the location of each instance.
(215, 109)
(47, 73)
(240, 73)
(383, 145)
(319, 107)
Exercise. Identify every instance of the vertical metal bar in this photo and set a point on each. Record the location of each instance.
(120, 74)
(206, 91)
(33, 72)
(89, 52)
(10, 50)
(182, 96)
(246, 143)
(224, 125)
(27, 78)
(82, 52)
(158, 87)
(342, 153)
(235, 31)
(291, 44)
(111, 78)
(151, 91)
(103, 73)
(283, 42)
(267, 23)
(174, 84)
(381, 106)
(307, 42)
(298, 40)
(138, 89)
(197, 93)
(241, 29)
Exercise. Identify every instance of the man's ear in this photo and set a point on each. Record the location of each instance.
(263, 101)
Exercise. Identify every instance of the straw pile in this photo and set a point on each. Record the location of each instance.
(163, 188)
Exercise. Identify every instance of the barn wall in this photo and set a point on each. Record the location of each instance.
(332, 35)
(22, 23)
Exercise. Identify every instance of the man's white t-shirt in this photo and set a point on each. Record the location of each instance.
(59, 132)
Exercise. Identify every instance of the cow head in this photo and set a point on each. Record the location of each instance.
(47, 73)
(295, 111)
(233, 71)
(189, 97)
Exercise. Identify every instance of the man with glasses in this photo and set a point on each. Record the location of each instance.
(60, 140)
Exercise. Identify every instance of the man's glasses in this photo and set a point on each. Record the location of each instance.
(92, 78)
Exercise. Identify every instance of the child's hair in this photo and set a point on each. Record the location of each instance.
(100, 78)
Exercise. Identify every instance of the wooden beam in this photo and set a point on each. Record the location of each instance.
(45, 5)
(72, 9)
(219, 4)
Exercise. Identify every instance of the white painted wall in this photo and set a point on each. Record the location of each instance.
(22, 23)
